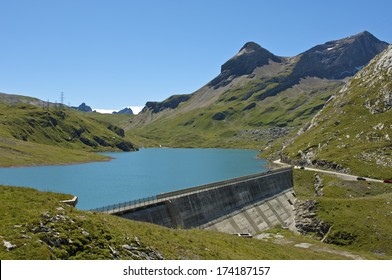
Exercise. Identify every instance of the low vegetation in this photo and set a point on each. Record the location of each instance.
(238, 119)
(354, 129)
(352, 132)
(36, 225)
(32, 135)
(358, 212)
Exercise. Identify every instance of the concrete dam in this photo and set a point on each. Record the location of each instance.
(246, 204)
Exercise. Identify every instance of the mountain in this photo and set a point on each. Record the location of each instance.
(83, 107)
(353, 132)
(257, 98)
(250, 56)
(339, 59)
(13, 99)
(36, 132)
(125, 111)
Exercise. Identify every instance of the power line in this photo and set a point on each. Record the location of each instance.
(61, 99)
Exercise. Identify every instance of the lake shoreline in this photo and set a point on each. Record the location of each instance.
(125, 176)
(108, 158)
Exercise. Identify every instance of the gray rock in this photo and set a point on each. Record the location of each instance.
(8, 245)
(125, 111)
(318, 185)
(130, 247)
(306, 220)
(83, 107)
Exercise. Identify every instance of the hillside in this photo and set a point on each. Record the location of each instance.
(257, 98)
(36, 225)
(353, 131)
(34, 133)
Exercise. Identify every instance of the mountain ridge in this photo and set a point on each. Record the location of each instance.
(36, 132)
(252, 56)
(354, 128)
(256, 90)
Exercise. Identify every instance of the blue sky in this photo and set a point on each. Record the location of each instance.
(117, 53)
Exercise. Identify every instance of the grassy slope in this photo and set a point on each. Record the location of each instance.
(43, 228)
(197, 128)
(347, 133)
(20, 153)
(30, 135)
(359, 212)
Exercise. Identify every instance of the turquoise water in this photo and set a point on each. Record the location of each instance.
(136, 175)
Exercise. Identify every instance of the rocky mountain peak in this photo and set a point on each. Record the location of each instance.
(364, 35)
(339, 58)
(249, 47)
(250, 56)
(354, 127)
(125, 111)
(83, 107)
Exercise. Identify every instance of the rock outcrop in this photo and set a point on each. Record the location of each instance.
(306, 220)
(83, 107)
(250, 56)
(170, 103)
(352, 133)
(333, 60)
(125, 111)
(258, 90)
(340, 58)
(66, 238)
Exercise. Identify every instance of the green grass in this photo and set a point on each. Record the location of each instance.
(87, 235)
(20, 153)
(197, 128)
(31, 135)
(346, 132)
(359, 212)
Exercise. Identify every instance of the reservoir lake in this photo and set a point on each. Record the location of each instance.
(135, 175)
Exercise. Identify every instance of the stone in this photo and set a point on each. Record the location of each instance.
(129, 247)
(46, 215)
(318, 185)
(8, 245)
(306, 220)
(137, 241)
(113, 251)
(219, 116)
(303, 245)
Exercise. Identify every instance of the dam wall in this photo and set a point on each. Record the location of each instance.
(202, 205)
(260, 216)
